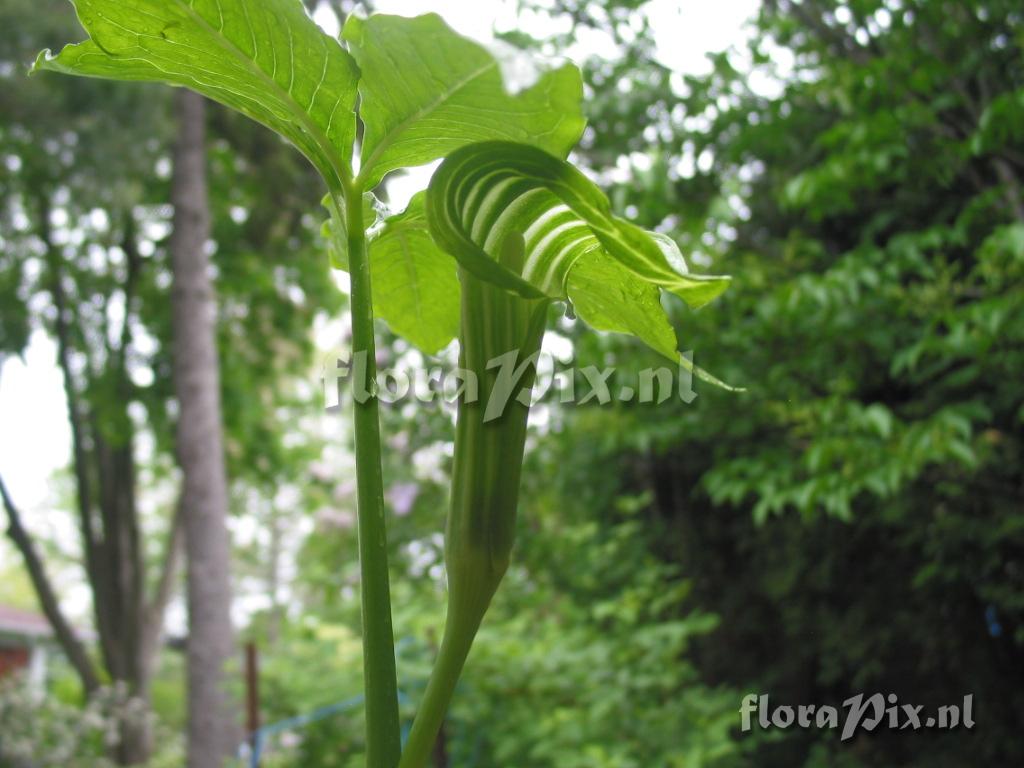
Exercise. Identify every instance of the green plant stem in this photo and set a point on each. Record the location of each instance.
(383, 735)
(485, 483)
(459, 633)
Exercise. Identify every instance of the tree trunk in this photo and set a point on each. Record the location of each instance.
(136, 732)
(104, 465)
(274, 617)
(211, 729)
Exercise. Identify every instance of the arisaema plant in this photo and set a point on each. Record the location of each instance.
(506, 228)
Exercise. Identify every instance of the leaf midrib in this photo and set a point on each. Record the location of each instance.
(334, 159)
(391, 137)
(412, 272)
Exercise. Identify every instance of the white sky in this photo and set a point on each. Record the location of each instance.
(34, 434)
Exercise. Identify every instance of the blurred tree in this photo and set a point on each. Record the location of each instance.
(212, 733)
(85, 220)
(75, 241)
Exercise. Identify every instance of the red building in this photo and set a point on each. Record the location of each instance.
(25, 638)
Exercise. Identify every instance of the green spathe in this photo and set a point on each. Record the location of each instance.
(526, 229)
(611, 271)
(489, 447)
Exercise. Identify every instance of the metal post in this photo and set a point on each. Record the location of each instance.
(252, 697)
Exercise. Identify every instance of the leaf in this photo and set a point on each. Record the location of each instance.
(426, 91)
(266, 59)
(485, 195)
(415, 285)
(608, 297)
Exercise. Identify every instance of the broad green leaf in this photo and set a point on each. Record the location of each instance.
(266, 59)
(608, 297)
(415, 285)
(483, 192)
(426, 91)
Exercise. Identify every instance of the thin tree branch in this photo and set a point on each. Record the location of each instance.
(157, 604)
(83, 481)
(840, 44)
(1011, 187)
(96, 565)
(134, 262)
(69, 642)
